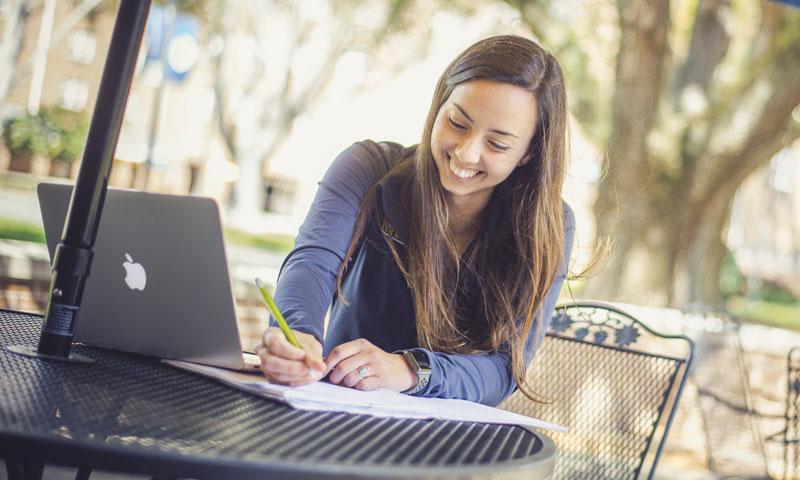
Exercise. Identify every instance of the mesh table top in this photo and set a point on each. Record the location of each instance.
(131, 413)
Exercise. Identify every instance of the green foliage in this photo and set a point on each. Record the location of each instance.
(28, 135)
(73, 127)
(16, 230)
(55, 133)
(766, 313)
(774, 293)
(275, 243)
(731, 282)
(192, 7)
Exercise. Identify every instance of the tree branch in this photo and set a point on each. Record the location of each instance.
(765, 137)
(10, 47)
(776, 35)
(774, 130)
(530, 10)
(227, 132)
(708, 46)
(222, 116)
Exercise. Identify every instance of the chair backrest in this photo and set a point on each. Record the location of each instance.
(613, 382)
(720, 371)
(791, 439)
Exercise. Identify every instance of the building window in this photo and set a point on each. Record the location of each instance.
(74, 94)
(279, 195)
(82, 46)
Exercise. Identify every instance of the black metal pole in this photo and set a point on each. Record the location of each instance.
(73, 256)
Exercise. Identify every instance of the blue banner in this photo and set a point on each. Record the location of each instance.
(175, 45)
(794, 3)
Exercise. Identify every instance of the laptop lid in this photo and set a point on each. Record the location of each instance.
(159, 282)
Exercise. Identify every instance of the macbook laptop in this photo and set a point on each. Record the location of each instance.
(159, 282)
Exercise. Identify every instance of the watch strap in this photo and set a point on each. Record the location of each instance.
(418, 362)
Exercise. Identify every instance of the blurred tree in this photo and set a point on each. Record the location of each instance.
(14, 15)
(55, 133)
(686, 99)
(275, 60)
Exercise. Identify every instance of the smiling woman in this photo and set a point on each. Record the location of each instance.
(444, 259)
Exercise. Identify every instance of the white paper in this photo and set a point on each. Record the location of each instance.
(322, 396)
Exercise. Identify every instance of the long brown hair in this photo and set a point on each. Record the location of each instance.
(516, 260)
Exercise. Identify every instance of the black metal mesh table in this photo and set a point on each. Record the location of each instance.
(130, 413)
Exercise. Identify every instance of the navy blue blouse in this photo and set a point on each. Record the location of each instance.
(379, 306)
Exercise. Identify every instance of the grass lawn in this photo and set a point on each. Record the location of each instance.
(17, 230)
(29, 232)
(781, 315)
(272, 242)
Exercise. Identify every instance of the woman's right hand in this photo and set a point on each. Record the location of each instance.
(286, 364)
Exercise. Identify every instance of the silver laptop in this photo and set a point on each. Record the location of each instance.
(159, 282)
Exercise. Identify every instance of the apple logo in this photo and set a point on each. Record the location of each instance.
(135, 276)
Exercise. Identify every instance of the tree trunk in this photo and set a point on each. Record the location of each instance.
(21, 162)
(10, 45)
(697, 273)
(628, 218)
(247, 203)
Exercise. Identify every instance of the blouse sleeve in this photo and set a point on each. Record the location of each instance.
(487, 378)
(307, 279)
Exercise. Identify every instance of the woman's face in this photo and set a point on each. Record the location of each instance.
(479, 137)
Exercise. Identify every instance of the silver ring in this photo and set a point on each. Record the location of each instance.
(362, 372)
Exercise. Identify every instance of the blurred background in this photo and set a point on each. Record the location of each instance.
(685, 158)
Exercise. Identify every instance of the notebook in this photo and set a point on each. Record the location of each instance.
(159, 282)
(323, 396)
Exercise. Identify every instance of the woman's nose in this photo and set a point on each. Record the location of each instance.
(468, 151)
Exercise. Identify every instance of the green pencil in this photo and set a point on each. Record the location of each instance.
(287, 332)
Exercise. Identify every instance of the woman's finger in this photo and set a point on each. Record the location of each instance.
(309, 342)
(313, 351)
(345, 350)
(275, 364)
(368, 384)
(278, 345)
(346, 366)
(359, 374)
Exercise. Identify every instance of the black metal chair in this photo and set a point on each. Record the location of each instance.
(790, 436)
(614, 382)
(726, 402)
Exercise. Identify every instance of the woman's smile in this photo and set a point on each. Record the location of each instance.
(461, 174)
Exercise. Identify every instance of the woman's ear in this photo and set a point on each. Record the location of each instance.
(524, 160)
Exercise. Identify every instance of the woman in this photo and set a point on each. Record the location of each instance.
(443, 261)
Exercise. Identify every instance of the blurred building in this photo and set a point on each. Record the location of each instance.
(767, 246)
(167, 128)
(60, 61)
(72, 65)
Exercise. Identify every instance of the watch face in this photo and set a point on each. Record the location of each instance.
(421, 360)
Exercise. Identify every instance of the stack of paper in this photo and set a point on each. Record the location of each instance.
(383, 403)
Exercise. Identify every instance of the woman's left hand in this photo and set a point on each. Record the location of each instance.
(360, 364)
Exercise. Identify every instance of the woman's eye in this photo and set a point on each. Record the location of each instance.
(498, 147)
(456, 125)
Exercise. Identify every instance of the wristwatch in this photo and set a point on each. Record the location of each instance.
(418, 362)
